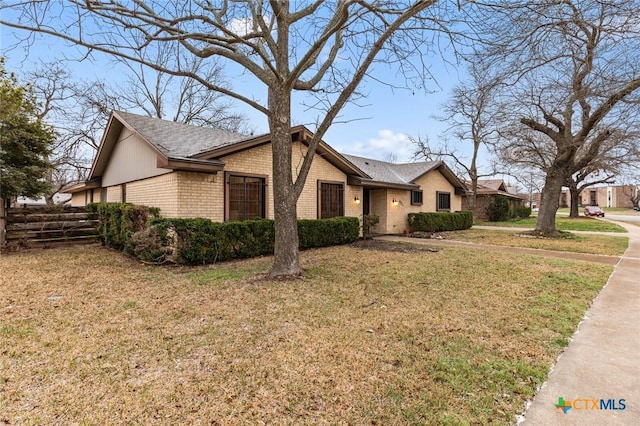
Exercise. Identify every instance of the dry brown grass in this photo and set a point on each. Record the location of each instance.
(576, 243)
(367, 337)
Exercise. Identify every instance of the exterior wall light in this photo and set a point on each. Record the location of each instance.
(395, 202)
(356, 200)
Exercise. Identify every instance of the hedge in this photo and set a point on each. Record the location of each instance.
(119, 221)
(201, 241)
(139, 231)
(437, 222)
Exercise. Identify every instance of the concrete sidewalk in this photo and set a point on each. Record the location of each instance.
(602, 362)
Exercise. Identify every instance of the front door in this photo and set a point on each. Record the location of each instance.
(366, 197)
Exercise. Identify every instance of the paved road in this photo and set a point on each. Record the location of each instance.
(624, 217)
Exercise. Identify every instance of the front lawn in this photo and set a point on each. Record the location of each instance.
(563, 224)
(367, 337)
(577, 243)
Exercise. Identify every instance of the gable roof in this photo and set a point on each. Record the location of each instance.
(402, 175)
(186, 147)
(494, 187)
(178, 140)
(182, 146)
(495, 184)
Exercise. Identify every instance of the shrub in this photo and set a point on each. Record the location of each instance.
(437, 222)
(201, 241)
(499, 210)
(327, 232)
(119, 221)
(522, 212)
(138, 230)
(151, 245)
(369, 221)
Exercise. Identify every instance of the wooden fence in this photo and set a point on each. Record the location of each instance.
(42, 227)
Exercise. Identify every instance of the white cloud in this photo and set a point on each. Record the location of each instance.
(240, 26)
(382, 147)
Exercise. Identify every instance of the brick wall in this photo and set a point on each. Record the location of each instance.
(78, 199)
(159, 191)
(431, 183)
(114, 194)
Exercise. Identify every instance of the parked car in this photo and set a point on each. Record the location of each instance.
(593, 211)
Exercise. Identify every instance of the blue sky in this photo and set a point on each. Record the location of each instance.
(376, 128)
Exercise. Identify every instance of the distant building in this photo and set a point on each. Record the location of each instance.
(603, 196)
(608, 196)
(487, 191)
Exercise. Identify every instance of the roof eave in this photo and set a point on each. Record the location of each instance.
(370, 183)
(191, 165)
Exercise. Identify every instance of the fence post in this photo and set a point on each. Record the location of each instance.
(3, 223)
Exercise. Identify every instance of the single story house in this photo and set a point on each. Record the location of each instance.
(189, 171)
(486, 192)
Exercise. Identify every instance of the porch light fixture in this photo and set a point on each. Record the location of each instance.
(356, 200)
(395, 202)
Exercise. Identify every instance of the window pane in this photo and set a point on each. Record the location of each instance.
(443, 201)
(246, 198)
(416, 197)
(331, 200)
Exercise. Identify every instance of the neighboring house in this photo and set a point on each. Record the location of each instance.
(190, 171)
(605, 196)
(487, 191)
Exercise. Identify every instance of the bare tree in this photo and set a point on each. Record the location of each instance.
(573, 79)
(630, 182)
(65, 103)
(181, 99)
(471, 115)
(529, 150)
(80, 109)
(323, 49)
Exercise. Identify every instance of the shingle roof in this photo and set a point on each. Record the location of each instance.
(495, 184)
(383, 171)
(178, 140)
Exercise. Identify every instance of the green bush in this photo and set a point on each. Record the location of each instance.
(150, 245)
(499, 210)
(201, 241)
(522, 212)
(327, 232)
(139, 231)
(119, 221)
(437, 222)
(369, 221)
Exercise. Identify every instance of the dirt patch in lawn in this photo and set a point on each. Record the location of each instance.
(392, 246)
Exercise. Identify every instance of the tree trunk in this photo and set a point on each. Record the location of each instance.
(549, 202)
(286, 261)
(575, 200)
(472, 197)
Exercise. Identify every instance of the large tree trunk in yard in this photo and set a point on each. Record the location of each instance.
(575, 200)
(549, 202)
(286, 261)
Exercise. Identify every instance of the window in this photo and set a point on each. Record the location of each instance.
(416, 197)
(245, 197)
(331, 200)
(443, 201)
